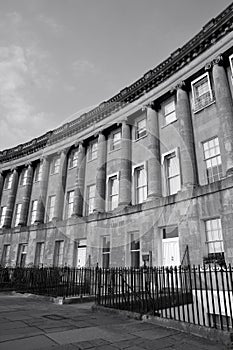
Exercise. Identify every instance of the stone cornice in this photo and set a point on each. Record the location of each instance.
(212, 32)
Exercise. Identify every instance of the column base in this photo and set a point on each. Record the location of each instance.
(38, 222)
(124, 205)
(152, 197)
(55, 219)
(229, 172)
(98, 211)
(73, 216)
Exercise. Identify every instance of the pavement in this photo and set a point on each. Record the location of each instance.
(34, 323)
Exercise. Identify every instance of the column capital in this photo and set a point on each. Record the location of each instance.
(14, 169)
(218, 60)
(124, 121)
(27, 164)
(63, 151)
(149, 105)
(78, 143)
(100, 132)
(44, 158)
(208, 66)
(181, 85)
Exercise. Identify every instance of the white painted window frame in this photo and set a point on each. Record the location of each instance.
(231, 64)
(206, 74)
(134, 189)
(117, 175)
(166, 102)
(164, 169)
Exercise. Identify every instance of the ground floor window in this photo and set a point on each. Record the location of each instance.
(214, 240)
(58, 253)
(5, 255)
(21, 256)
(80, 251)
(39, 254)
(134, 250)
(105, 252)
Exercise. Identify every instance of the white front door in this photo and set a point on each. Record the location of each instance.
(171, 251)
(81, 256)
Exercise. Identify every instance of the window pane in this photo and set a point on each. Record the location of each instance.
(170, 117)
(213, 159)
(169, 107)
(174, 184)
(173, 168)
(135, 259)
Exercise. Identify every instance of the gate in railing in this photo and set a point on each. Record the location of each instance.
(198, 295)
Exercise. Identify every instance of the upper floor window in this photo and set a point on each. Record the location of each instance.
(213, 160)
(23, 178)
(17, 213)
(116, 140)
(105, 252)
(73, 159)
(171, 165)
(202, 92)
(140, 128)
(70, 204)
(38, 173)
(2, 216)
(113, 188)
(33, 211)
(51, 207)
(169, 111)
(92, 150)
(90, 199)
(8, 181)
(55, 166)
(140, 180)
(214, 240)
(231, 64)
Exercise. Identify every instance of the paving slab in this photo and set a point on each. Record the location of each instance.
(31, 343)
(41, 325)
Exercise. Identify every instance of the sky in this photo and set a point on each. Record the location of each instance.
(59, 58)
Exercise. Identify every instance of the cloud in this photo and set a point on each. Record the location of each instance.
(19, 118)
(82, 67)
(14, 18)
(50, 22)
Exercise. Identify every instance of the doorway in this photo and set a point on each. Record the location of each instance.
(80, 254)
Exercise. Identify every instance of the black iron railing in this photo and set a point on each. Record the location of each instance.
(198, 295)
(64, 282)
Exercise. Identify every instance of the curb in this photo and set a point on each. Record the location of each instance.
(55, 300)
(214, 335)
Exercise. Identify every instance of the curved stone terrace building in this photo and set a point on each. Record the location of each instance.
(146, 175)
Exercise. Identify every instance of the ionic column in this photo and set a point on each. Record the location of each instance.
(26, 196)
(154, 163)
(11, 199)
(125, 166)
(79, 182)
(101, 173)
(187, 150)
(43, 191)
(61, 185)
(225, 111)
(1, 185)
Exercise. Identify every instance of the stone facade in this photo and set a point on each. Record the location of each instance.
(145, 175)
